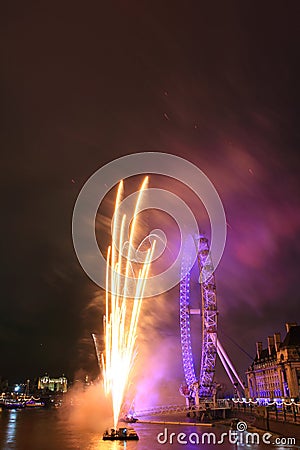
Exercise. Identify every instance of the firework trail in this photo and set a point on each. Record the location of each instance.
(125, 285)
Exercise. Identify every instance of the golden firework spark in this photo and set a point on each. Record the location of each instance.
(122, 312)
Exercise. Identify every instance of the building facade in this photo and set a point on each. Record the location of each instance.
(53, 384)
(275, 371)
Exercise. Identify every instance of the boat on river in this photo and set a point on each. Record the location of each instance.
(11, 404)
(120, 434)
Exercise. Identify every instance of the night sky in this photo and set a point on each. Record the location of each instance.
(86, 82)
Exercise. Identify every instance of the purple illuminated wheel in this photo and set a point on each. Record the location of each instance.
(209, 314)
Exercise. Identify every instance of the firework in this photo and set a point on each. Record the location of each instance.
(125, 285)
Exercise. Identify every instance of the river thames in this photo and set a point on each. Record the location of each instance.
(49, 430)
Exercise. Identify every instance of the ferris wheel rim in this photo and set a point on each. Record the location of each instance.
(209, 316)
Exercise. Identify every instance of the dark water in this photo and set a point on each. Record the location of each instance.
(48, 430)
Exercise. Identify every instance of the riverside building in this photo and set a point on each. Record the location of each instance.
(275, 371)
(53, 384)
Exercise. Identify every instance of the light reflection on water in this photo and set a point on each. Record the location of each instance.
(47, 430)
(11, 428)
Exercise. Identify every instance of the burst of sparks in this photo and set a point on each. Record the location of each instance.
(122, 312)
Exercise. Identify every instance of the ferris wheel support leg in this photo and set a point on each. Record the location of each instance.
(223, 361)
(227, 369)
(221, 350)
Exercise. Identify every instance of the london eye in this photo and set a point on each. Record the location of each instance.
(202, 384)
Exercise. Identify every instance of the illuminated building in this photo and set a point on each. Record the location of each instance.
(275, 371)
(53, 384)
